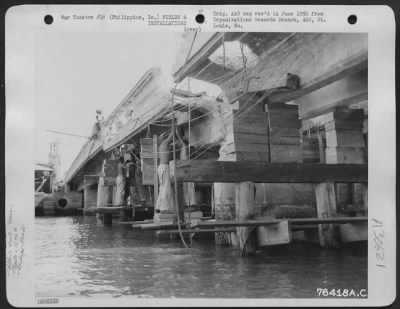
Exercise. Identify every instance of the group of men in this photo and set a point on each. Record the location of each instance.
(129, 168)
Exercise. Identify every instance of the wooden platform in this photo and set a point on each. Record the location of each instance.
(110, 210)
(157, 226)
(190, 231)
(296, 221)
(136, 223)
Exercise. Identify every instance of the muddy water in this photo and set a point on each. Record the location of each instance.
(77, 257)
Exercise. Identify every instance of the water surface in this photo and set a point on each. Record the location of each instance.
(77, 257)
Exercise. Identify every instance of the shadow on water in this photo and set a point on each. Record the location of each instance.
(77, 257)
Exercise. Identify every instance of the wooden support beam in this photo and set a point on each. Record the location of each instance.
(111, 210)
(356, 98)
(264, 172)
(265, 222)
(193, 231)
(157, 226)
(326, 208)
(245, 209)
(338, 56)
(200, 58)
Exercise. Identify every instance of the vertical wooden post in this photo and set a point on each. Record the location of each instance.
(245, 209)
(155, 165)
(180, 202)
(86, 195)
(321, 148)
(326, 208)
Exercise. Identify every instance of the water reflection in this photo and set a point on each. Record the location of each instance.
(75, 256)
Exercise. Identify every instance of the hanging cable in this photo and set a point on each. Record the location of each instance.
(223, 50)
(173, 145)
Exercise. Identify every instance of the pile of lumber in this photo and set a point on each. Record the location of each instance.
(310, 150)
(344, 136)
(284, 126)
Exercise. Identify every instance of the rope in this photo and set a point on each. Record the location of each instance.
(173, 146)
(70, 134)
(223, 50)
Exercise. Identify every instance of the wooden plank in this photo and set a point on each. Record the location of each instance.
(247, 147)
(283, 116)
(279, 107)
(238, 137)
(246, 114)
(133, 223)
(252, 156)
(158, 226)
(265, 222)
(256, 127)
(285, 140)
(112, 210)
(193, 231)
(326, 208)
(286, 153)
(276, 131)
(274, 234)
(251, 138)
(240, 171)
(285, 123)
